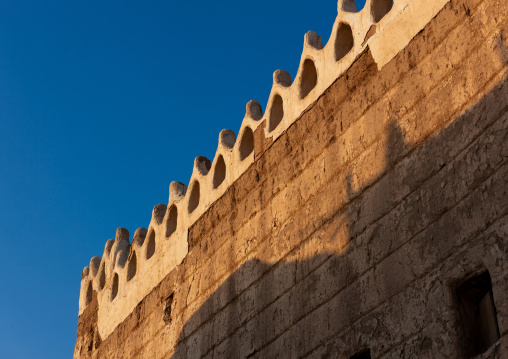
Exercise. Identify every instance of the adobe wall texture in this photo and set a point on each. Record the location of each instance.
(353, 228)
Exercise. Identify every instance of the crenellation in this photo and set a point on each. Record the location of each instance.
(375, 175)
(122, 234)
(158, 213)
(253, 111)
(346, 5)
(177, 191)
(85, 272)
(281, 79)
(139, 237)
(94, 265)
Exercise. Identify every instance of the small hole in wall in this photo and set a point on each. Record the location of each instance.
(150, 247)
(172, 221)
(220, 172)
(380, 8)
(276, 113)
(247, 143)
(167, 309)
(478, 314)
(132, 267)
(89, 294)
(114, 288)
(309, 78)
(344, 41)
(194, 197)
(102, 278)
(364, 354)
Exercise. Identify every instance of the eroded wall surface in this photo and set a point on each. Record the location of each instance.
(353, 228)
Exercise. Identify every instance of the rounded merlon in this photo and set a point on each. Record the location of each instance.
(314, 40)
(177, 191)
(346, 5)
(85, 272)
(227, 138)
(282, 78)
(158, 213)
(95, 262)
(121, 253)
(253, 110)
(122, 234)
(202, 165)
(139, 237)
(108, 246)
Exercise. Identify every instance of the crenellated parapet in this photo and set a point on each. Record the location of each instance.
(127, 271)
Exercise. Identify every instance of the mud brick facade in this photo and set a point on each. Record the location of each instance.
(375, 223)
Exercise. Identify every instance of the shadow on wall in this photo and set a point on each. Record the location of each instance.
(337, 305)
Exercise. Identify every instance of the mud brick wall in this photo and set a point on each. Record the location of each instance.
(354, 228)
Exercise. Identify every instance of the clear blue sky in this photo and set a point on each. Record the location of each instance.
(102, 105)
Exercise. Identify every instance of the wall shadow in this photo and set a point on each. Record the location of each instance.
(257, 303)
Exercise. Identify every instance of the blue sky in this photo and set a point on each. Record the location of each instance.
(102, 105)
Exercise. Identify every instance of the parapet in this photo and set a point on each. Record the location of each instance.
(127, 272)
